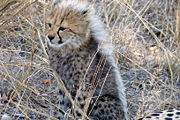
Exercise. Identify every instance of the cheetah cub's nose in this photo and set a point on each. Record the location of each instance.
(51, 37)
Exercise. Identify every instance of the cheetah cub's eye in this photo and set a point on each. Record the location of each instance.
(62, 29)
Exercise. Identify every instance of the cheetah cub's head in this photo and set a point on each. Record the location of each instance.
(68, 24)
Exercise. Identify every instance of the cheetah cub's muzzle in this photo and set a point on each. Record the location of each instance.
(56, 41)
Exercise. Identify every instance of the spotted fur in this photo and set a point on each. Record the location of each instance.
(81, 54)
(171, 114)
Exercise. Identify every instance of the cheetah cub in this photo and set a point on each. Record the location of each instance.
(81, 54)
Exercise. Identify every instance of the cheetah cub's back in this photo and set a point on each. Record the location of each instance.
(81, 54)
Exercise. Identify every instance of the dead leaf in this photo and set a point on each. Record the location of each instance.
(46, 81)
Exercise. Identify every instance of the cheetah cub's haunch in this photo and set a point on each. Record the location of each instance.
(81, 54)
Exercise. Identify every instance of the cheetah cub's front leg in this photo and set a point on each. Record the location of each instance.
(81, 54)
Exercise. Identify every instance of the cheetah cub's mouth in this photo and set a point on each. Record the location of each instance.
(57, 46)
(63, 40)
(56, 41)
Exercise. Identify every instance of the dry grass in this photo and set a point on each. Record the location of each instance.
(146, 37)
